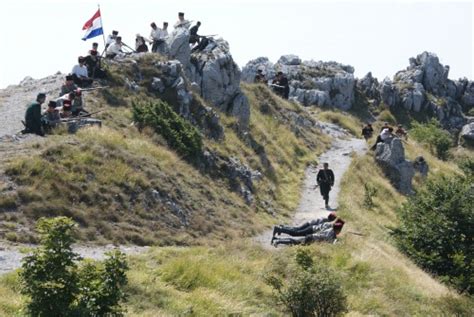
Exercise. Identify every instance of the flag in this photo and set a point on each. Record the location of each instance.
(93, 27)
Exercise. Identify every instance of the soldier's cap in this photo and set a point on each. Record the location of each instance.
(95, 44)
(181, 14)
(165, 23)
(259, 70)
(69, 77)
(52, 104)
(41, 95)
(280, 73)
(332, 216)
(153, 24)
(114, 32)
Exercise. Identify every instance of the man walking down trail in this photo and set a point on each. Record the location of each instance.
(33, 116)
(325, 179)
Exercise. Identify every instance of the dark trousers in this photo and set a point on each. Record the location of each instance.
(290, 241)
(300, 231)
(82, 82)
(324, 189)
(377, 141)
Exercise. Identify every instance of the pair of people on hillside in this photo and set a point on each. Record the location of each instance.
(319, 230)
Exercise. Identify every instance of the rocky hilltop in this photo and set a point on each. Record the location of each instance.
(423, 87)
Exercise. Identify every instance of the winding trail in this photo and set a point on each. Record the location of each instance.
(311, 204)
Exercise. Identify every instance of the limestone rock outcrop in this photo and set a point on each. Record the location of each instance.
(390, 155)
(178, 46)
(217, 77)
(311, 82)
(467, 134)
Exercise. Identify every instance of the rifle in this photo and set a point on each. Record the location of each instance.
(212, 35)
(128, 47)
(93, 88)
(275, 85)
(80, 117)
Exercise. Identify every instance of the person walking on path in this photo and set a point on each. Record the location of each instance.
(325, 180)
(367, 131)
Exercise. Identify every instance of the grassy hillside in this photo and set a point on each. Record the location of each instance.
(126, 186)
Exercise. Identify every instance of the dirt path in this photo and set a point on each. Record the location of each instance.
(11, 256)
(311, 204)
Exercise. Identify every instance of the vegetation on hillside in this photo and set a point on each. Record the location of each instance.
(432, 135)
(436, 230)
(56, 285)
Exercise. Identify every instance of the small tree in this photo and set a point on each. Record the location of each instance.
(438, 140)
(58, 286)
(369, 194)
(49, 275)
(436, 230)
(309, 290)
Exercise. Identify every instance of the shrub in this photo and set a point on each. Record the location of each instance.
(466, 164)
(436, 230)
(431, 134)
(308, 289)
(179, 134)
(57, 286)
(369, 194)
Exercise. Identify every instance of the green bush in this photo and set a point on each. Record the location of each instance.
(307, 289)
(466, 164)
(369, 194)
(438, 140)
(56, 286)
(436, 230)
(180, 134)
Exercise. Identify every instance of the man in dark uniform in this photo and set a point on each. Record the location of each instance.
(260, 77)
(282, 81)
(367, 131)
(194, 38)
(325, 179)
(33, 116)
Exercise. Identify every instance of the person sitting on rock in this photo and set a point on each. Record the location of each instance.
(66, 110)
(33, 116)
(182, 22)
(386, 134)
(202, 44)
(281, 85)
(259, 77)
(111, 39)
(115, 49)
(92, 62)
(401, 133)
(306, 228)
(68, 86)
(194, 37)
(51, 117)
(80, 74)
(329, 233)
(385, 126)
(367, 131)
(140, 44)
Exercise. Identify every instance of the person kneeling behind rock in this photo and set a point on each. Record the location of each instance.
(328, 233)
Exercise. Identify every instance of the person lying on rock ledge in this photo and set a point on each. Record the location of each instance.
(328, 233)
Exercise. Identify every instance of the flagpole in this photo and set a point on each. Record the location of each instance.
(103, 32)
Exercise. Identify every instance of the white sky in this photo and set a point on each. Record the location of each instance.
(40, 37)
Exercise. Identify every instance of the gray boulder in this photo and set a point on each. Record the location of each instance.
(390, 156)
(250, 70)
(467, 134)
(218, 77)
(368, 85)
(178, 46)
(289, 59)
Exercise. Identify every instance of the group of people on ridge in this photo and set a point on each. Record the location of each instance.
(386, 133)
(157, 39)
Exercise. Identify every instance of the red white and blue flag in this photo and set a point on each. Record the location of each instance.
(93, 27)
